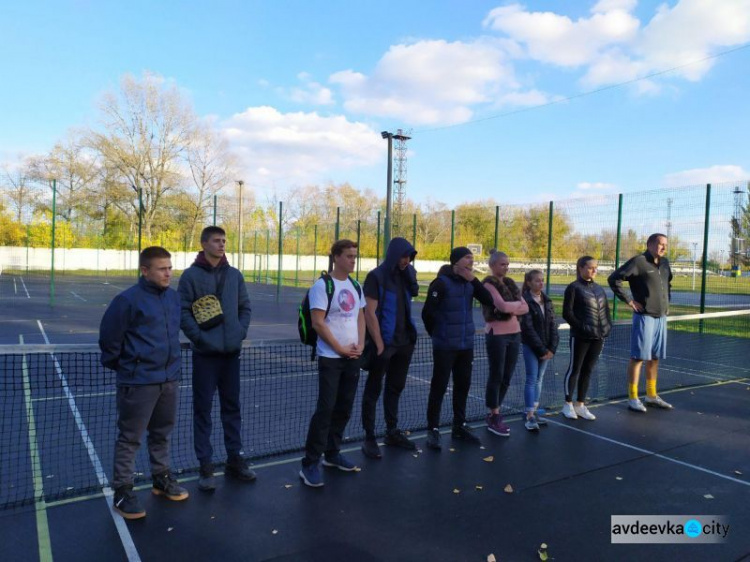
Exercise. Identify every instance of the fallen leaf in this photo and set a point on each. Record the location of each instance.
(169, 529)
(491, 558)
(213, 517)
(542, 552)
(287, 486)
(508, 489)
(275, 532)
(452, 450)
(478, 488)
(618, 477)
(482, 448)
(488, 459)
(416, 456)
(737, 472)
(357, 469)
(708, 496)
(456, 491)
(419, 451)
(407, 432)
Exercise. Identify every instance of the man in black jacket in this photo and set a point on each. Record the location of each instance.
(650, 280)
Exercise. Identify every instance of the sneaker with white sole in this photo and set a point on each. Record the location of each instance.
(339, 461)
(569, 412)
(531, 424)
(658, 402)
(636, 405)
(583, 412)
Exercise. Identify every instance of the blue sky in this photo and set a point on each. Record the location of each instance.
(303, 88)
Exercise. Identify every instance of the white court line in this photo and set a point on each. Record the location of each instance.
(28, 296)
(15, 287)
(122, 529)
(78, 296)
(650, 453)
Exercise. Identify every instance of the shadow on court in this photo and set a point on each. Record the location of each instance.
(567, 481)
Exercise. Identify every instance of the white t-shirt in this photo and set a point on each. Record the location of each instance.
(343, 315)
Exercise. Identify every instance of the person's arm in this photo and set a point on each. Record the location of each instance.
(482, 294)
(623, 273)
(516, 308)
(669, 286)
(531, 336)
(244, 309)
(373, 326)
(568, 308)
(112, 331)
(434, 297)
(188, 325)
(362, 330)
(554, 336)
(410, 277)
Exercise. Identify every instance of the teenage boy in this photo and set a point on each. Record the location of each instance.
(216, 354)
(341, 338)
(449, 319)
(389, 289)
(139, 339)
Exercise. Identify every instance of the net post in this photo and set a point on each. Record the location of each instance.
(281, 249)
(549, 243)
(296, 265)
(268, 253)
(52, 265)
(704, 263)
(617, 250)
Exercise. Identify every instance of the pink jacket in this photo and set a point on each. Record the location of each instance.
(516, 308)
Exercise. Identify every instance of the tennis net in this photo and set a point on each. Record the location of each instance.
(58, 415)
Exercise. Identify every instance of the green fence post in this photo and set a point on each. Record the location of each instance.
(52, 272)
(377, 244)
(296, 265)
(705, 255)
(617, 250)
(281, 251)
(414, 230)
(358, 246)
(268, 252)
(453, 228)
(549, 244)
(28, 240)
(315, 253)
(497, 224)
(256, 279)
(338, 224)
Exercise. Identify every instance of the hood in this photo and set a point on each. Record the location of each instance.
(446, 269)
(398, 248)
(202, 262)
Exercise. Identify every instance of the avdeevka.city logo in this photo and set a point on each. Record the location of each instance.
(687, 529)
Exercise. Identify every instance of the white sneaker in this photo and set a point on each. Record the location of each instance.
(583, 412)
(569, 412)
(636, 405)
(658, 402)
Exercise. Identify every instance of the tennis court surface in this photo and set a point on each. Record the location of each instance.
(559, 487)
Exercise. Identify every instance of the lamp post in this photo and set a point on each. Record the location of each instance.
(389, 191)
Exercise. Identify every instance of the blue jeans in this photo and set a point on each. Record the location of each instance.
(535, 369)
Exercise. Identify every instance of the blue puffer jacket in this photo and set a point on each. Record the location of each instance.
(140, 335)
(454, 318)
(387, 286)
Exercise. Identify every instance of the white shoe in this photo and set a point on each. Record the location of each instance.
(569, 412)
(583, 412)
(658, 402)
(636, 405)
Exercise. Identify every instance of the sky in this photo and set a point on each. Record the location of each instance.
(513, 101)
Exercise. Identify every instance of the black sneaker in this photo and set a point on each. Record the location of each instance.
(464, 433)
(371, 450)
(238, 467)
(126, 503)
(164, 484)
(433, 439)
(396, 438)
(206, 479)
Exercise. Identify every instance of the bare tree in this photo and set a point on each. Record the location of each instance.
(21, 188)
(147, 127)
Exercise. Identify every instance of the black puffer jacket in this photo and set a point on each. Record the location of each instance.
(539, 331)
(586, 309)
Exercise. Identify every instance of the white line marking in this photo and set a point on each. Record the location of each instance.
(15, 287)
(127, 540)
(78, 296)
(650, 453)
(24, 288)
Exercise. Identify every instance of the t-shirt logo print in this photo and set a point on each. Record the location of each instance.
(346, 300)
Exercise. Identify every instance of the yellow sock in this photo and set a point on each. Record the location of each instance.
(651, 388)
(632, 391)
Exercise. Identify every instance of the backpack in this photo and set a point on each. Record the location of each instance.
(307, 334)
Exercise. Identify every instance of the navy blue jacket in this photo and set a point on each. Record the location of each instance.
(447, 313)
(387, 285)
(140, 335)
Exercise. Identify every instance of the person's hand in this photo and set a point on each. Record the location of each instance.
(464, 272)
(354, 351)
(636, 306)
(547, 356)
(380, 348)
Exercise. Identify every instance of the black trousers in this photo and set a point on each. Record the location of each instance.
(502, 355)
(212, 372)
(584, 355)
(393, 364)
(444, 362)
(151, 407)
(337, 386)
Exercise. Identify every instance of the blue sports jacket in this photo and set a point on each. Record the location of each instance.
(139, 335)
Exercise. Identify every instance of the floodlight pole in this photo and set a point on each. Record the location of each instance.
(388, 192)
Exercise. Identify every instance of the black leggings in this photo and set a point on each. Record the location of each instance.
(583, 357)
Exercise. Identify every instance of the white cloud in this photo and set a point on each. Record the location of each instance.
(430, 82)
(702, 176)
(596, 186)
(311, 92)
(298, 147)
